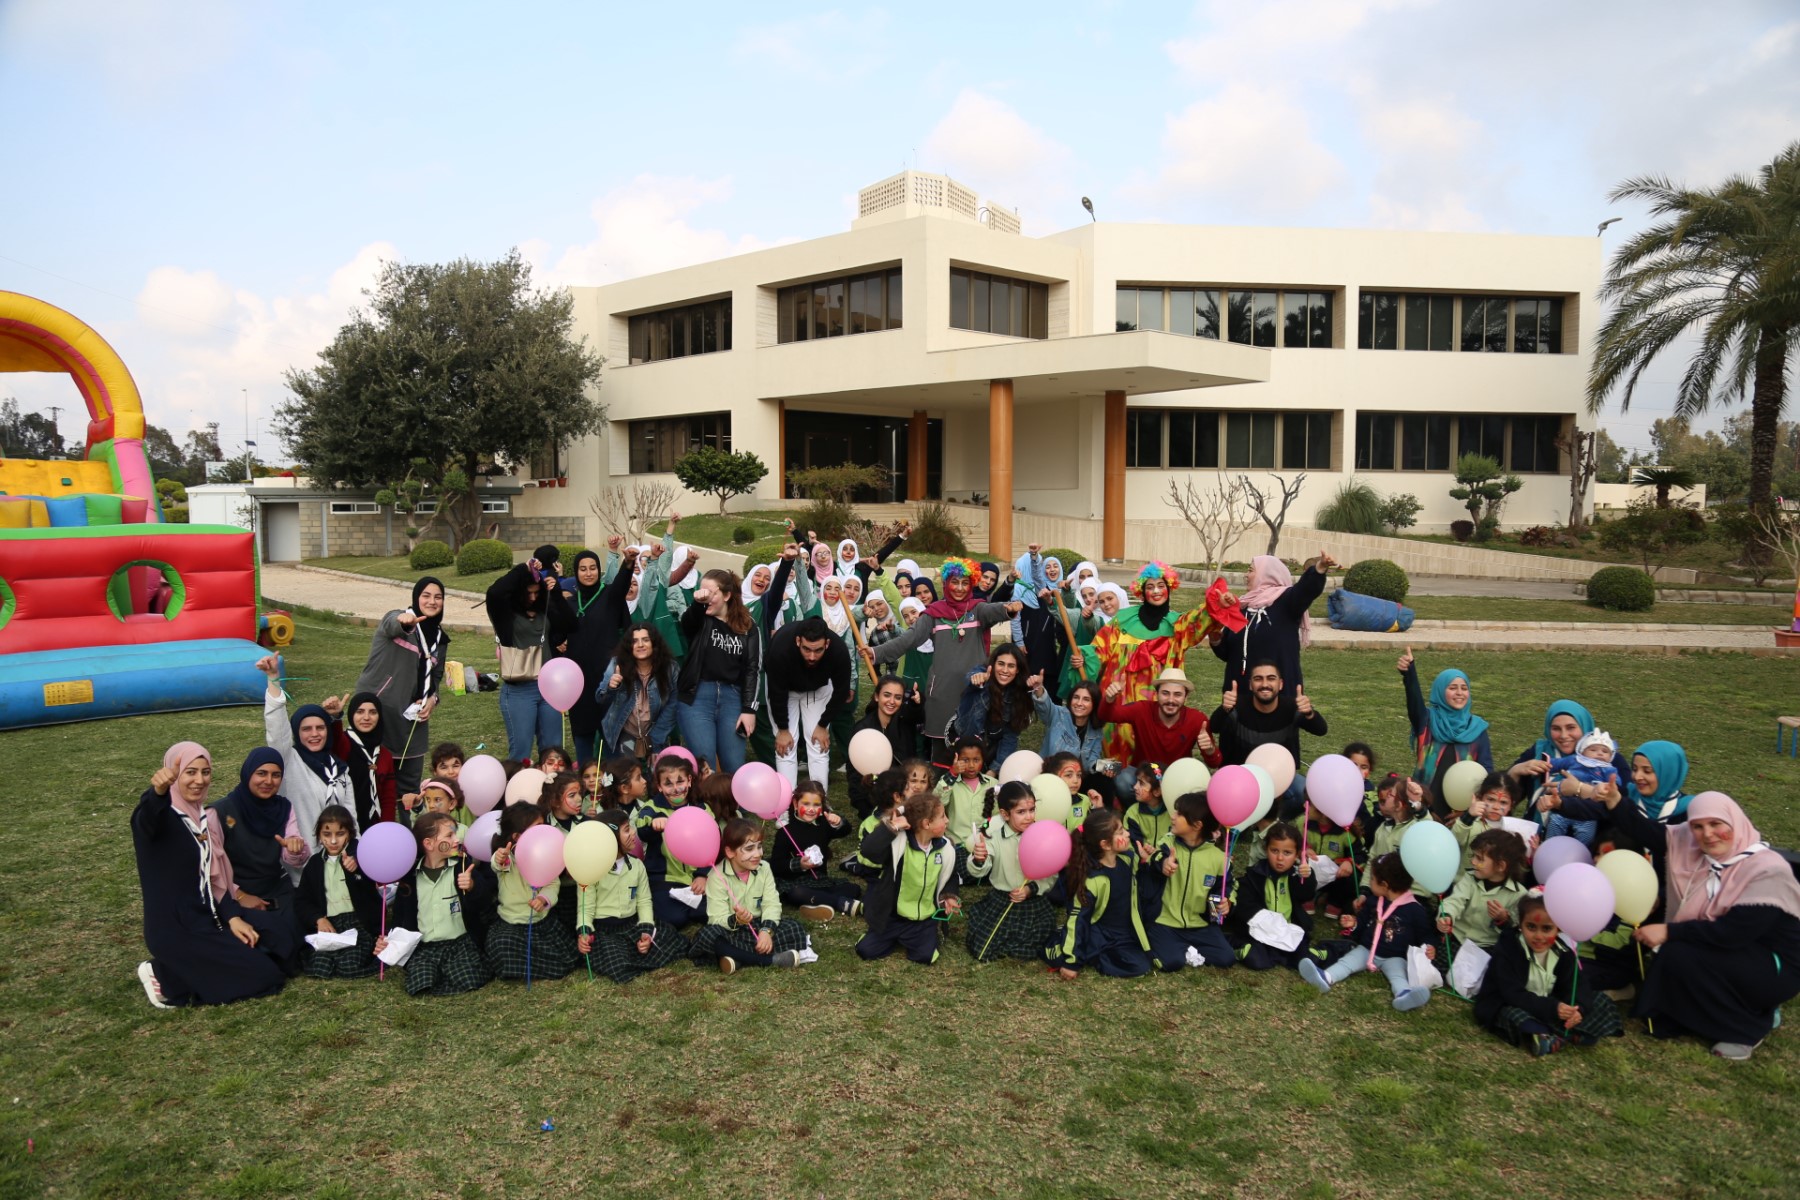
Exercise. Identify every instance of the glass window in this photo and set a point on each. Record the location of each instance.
(1019, 328)
(1374, 441)
(1040, 311)
(1484, 324)
(959, 299)
(1482, 435)
(859, 306)
(990, 304)
(1250, 440)
(1193, 439)
(1425, 442)
(1237, 316)
(1428, 321)
(1534, 445)
(794, 319)
(1125, 315)
(895, 309)
(1143, 437)
(834, 308)
(821, 307)
(1181, 311)
(1537, 326)
(1306, 441)
(654, 445)
(1150, 308)
(1206, 313)
(1321, 320)
(1000, 297)
(1295, 318)
(1264, 315)
(1378, 321)
(978, 308)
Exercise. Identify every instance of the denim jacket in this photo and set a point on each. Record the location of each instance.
(615, 707)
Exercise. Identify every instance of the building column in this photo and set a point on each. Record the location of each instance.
(781, 450)
(1000, 469)
(1112, 529)
(916, 465)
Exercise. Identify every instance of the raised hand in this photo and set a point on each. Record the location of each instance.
(162, 780)
(270, 665)
(1205, 742)
(978, 679)
(613, 543)
(1035, 682)
(790, 551)
(1014, 607)
(1325, 562)
(1229, 701)
(334, 705)
(1302, 701)
(1406, 662)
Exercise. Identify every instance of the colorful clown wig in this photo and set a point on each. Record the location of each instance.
(968, 568)
(1155, 569)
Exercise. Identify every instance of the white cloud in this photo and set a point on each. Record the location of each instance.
(643, 228)
(984, 142)
(1429, 157)
(1246, 153)
(1247, 41)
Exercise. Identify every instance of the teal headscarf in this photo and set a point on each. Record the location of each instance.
(1670, 762)
(1452, 726)
(1562, 708)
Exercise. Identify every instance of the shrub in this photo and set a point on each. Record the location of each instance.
(565, 554)
(1400, 511)
(935, 531)
(833, 520)
(1486, 528)
(429, 554)
(1354, 508)
(1462, 531)
(1538, 535)
(1650, 534)
(1621, 589)
(1379, 578)
(175, 514)
(721, 473)
(840, 483)
(1068, 558)
(743, 535)
(483, 554)
(1482, 488)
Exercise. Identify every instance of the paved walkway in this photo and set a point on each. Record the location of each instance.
(367, 599)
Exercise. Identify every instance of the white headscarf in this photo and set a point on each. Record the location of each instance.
(845, 569)
(1083, 569)
(1116, 590)
(682, 554)
(750, 597)
(861, 596)
(907, 567)
(916, 606)
(834, 612)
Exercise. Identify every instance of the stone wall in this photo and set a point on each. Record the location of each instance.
(380, 534)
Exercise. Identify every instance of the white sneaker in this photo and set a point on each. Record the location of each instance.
(152, 989)
(802, 957)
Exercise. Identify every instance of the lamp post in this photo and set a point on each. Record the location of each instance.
(249, 446)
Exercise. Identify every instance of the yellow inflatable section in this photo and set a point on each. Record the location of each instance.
(36, 336)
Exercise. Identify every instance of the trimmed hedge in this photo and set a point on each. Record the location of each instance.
(1621, 589)
(1378, 577)
(565, 554)
(483, 554)
(743, 535)
(429, 554)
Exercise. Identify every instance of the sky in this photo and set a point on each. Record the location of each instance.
(212, 184)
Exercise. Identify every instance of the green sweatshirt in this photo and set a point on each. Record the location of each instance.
(1187, 892)
(440, 904)
(862, 831)
(337, 892)
(1150, 825)
(623, 891)
(1464, 831)
(516, 894)
(1001, 867)
(964, 804)
(726, 890)
(1466, 906)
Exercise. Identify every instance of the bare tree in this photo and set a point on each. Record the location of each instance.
(1584, 461)
(1217, 517)
(627, 511)
(1778, 529)
(1260, 503)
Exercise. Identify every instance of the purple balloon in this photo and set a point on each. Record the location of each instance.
(478, 843)
(1335, 786)
(386, 851)
(560, 683)
(1553, 854)
(1580, 900)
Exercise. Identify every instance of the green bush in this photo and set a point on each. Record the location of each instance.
(1400, 511)
(1355, 508)
(1621, 589)
(1379, 578)
(743, 535)
(566, 556)
(483, 554)
(1068, 559)
(936, 531)
(429, 554)
(833, 520)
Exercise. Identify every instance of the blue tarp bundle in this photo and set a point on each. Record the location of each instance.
(1367, 614)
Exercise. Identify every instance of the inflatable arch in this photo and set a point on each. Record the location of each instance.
(104, 609)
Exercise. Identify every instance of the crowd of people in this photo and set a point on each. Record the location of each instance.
(689, 676)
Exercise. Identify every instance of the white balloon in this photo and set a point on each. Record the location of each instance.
(870, 752)
(1183, 776)
(1265, 796)
(1275, 759)
(1022, 765)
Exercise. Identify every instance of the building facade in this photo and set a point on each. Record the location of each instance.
(1075, 375)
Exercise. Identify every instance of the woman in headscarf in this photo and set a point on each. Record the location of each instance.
(358, 744)
(1445, 729)
(1565, 722)
(533, 619)
(849, 556)
(916, 666)
(1728, 949)
(405, 670)
(1039, 626)
(205, 948)
(600, 615)
(1278, 627)
(262, 838)
(1658, 771)
(312, 777)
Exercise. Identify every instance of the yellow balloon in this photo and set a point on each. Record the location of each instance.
(1183, 776)
(1460, 782)
(590, 851)
(1053, 800)
(1634, 884)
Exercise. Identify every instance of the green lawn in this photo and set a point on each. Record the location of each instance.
(1503, 608)
(1708, 556)
(841, 1078)
(398, 568)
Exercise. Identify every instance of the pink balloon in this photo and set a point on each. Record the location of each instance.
(1233, 794)
(1580, 900)
(560, 683)
(386, 851)
(1274, 758)
(539, 855)
(483, 782)
(1334, 784)
(757, 789)
(1556, 853)
(1044, 849)
(681, 752)
(478, 843)
(692, 837)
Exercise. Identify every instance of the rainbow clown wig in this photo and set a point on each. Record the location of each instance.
(968, 568)
(1155, 570)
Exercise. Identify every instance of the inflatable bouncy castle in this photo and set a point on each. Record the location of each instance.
(105, 610)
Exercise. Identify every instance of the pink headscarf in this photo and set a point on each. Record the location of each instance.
(1702, 888)
(176, 758)
(1269, 577)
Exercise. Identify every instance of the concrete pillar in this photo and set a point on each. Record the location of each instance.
(1000, 469)
(1112, 531)
(916, 464)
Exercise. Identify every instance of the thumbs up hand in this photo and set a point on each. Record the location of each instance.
(1230, 700)
(1406, 662)
(1303, 702)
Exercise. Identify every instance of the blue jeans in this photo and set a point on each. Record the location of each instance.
(527, 715)
(709, 725)
(1358, 960)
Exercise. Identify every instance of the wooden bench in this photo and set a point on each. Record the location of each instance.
(1788, 728)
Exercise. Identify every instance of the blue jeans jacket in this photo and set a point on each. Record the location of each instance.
(615, 708)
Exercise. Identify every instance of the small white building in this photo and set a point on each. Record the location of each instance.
(1074, 375)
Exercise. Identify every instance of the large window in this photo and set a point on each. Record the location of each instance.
(825, 308)
(1250, 439)
(1306, 319)
(1193, 440)
(1434, 441)
(996, 304)
(702, 328)
(1194, 311)
(1431, 320)
(1484, 324)
(656, 444)
(1143, 437)
(1250, 317)
(1378, 321)
(1183, 439)
(1537, 326)
(1306, 441)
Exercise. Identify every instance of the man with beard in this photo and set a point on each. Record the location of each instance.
(1164, 729)
(808, 669)
(1269, 717)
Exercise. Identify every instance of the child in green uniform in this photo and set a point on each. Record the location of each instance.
(617, 924)
(744, 925)
(431, 900)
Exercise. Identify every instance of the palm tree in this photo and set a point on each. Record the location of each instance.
(1723, 262)
(1663, 479)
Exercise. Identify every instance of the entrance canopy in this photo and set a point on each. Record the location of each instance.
(1135, 363)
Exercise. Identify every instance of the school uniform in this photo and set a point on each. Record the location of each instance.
(525, 942)
(667, 873)
(1339, 845)
(1385, 840)
(1183, 904)
(1521, 990)
(998, 927)
(723, 937)
(1148, 825)
(446, 961)
(1106, 931)
(618, 910)
(963, 803)
(351, 902)
(1466, 906)
(902, 903)
(1283, 893)
(862, 867)
(799, 882)
(1385, 931)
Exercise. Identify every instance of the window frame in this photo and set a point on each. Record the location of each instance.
(680, 325)
(804, 312)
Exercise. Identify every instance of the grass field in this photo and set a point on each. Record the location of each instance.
(845, 1078)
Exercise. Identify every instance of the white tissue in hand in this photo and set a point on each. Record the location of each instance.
(1270, 929)
(1195, 958)
(400, 945)
(688, 896)
(812, 856)
(1324, 870)
(331, 941)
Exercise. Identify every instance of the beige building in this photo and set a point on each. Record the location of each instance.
(1074, 375)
